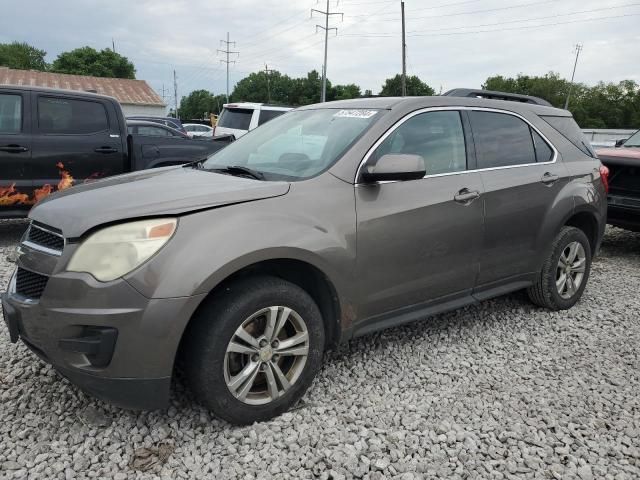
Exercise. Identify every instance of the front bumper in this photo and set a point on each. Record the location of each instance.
(131, 369)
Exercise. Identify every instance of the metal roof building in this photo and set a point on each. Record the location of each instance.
(135, 96)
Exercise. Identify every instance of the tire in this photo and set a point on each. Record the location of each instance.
(545, 292)
(211, 371)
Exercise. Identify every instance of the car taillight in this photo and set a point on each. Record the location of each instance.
(604, 175)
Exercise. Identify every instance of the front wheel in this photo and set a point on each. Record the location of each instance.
(254, 349)
(565, 272)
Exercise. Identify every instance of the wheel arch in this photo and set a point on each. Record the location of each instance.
(302, 273)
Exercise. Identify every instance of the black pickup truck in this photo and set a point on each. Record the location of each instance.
(623, 163)
(53, 139)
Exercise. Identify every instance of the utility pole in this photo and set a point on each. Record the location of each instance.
(113, 45)
(578, 50)
(404, 54)
(228, 52)
(268, 72)
(327, 14)
(175, 93)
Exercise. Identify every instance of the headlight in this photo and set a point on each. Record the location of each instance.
(115, 251)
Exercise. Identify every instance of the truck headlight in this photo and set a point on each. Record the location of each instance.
(115, 251)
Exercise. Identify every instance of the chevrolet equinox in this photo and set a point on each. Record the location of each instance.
(326, 223)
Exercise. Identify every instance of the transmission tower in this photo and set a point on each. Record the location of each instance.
(228, 52)
(326, 29)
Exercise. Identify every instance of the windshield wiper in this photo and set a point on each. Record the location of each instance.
(197, 164)
(240, 170)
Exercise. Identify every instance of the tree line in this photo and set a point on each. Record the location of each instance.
(280, 89)
(605, 105)
(80, 61)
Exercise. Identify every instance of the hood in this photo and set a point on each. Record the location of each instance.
(163, 191)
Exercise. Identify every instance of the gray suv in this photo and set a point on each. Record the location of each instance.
(330, 222)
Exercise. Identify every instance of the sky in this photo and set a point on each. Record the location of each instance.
(450, 43)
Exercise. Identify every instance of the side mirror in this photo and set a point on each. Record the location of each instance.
(619, 143)
(395, 167)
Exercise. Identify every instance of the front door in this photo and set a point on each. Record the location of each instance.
(74, 140)
(15, 152)
(418, 241)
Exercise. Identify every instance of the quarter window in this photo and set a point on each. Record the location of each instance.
(70, 116)
(437, 137)
(501, 140)
(544, 153)
(10, 113)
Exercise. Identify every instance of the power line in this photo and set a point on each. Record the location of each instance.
(521, 27)
(227, 61)
(326, 29)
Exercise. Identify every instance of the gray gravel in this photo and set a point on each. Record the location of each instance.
(499, 390)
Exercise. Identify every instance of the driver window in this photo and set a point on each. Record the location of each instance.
(437, 137)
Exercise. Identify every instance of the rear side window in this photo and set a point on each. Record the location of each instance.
(569, 129)
(70, 116)
(238, 118)
(10, 113)
(266, 115)
(501, 140)
(544, 152)
(436, 136)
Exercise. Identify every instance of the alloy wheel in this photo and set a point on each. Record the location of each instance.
(571, 269)
(266, 355)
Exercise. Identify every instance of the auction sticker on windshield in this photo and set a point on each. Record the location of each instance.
(355, 113)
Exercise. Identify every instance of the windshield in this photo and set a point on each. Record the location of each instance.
(633, 140)
(298, 145)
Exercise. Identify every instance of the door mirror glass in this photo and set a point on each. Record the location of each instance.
(393, 166)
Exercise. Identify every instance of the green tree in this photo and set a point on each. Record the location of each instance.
(605, 105)
(22, 56)
(550, 87)
(415, 87)
(264, 88)
(199, 104)
(344, 92)
(89, 61)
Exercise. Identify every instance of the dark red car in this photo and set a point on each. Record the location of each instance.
(624, 182)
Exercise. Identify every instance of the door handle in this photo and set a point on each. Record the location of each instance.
(106, 150)
(13, 148)
(549, 178)
(466, 196)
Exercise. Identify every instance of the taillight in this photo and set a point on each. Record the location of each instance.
(604, 176)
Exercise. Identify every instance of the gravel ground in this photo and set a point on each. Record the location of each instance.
(498, 390)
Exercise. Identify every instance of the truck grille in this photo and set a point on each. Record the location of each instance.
(44, 239)
(30, 284)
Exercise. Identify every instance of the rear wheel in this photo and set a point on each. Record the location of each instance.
(254, 349)
(565, 272)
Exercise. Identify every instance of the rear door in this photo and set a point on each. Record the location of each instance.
(75, 139)
(522, 177)
(15, 151)
(234, 121)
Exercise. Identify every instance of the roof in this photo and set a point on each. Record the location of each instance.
(126, 91)
(408, 103)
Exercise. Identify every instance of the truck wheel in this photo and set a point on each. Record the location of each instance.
(254, 349)
(565, 273)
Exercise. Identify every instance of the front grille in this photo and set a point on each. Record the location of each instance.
(30, 284)
(42, 237)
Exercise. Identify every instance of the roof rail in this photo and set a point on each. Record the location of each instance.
(489, 94)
